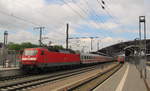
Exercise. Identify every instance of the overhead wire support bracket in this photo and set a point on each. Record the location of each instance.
(40, 36)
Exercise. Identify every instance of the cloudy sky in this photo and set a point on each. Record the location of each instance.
(117, 22)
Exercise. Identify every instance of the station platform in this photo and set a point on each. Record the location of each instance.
(148, 75)
(126, 79)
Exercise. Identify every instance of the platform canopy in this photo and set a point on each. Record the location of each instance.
(124, 48)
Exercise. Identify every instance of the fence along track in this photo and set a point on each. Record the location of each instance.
(9, 58)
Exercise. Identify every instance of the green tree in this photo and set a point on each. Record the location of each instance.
(27, 45)
(14, 46)
(58, 47)
(17, 47)
(22, 46)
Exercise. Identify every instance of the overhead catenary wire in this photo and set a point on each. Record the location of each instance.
(28, 21)
(83, 11)
(94, 12)
(74, 10)
(22, 19)
(58, 32)
(107, 9)
(98, 17)
(116, 18)
(38, 12)
(87, 12)
(18, 18)
(102, 4)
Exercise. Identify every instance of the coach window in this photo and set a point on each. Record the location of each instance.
(82, 57)
(85, 57)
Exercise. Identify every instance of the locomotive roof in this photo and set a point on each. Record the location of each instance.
(56, 50)
(50, 48)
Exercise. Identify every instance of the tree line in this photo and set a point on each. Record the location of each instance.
(22, 46)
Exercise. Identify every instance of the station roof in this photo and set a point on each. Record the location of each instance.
(118, 48)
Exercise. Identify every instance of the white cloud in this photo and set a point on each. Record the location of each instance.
(127, 11)
(54, 17)
(22, 36)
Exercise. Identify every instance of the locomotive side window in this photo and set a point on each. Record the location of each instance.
(42, 53)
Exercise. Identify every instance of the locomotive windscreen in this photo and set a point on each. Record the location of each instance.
(30, 52)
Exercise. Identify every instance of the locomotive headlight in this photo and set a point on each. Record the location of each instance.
(29, 58)
(24, 59)
(32, 58)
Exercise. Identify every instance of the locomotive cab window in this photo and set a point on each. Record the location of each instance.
(30, 52)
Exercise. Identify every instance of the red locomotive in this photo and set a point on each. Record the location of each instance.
(44, 57)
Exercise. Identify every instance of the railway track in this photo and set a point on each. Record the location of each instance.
(8, 78)
(21, 75)
(12, 75)
(34, 81)
(92, 83)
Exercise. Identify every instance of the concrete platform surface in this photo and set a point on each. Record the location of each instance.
(126, 79)
(148, 75)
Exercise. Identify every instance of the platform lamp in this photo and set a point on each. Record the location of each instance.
(143, 64)
(5, 38)
(4, 47)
